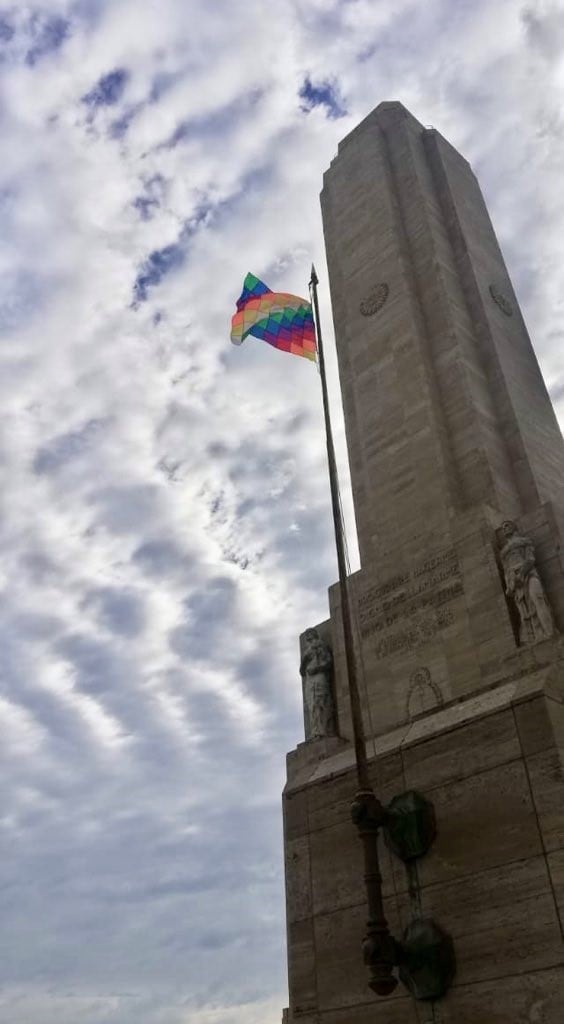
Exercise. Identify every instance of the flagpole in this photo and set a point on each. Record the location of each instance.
(356, 709)
(379, 948)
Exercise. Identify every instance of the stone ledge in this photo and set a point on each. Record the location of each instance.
(324, 759)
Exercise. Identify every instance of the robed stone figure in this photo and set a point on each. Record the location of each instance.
(523, 585)
(316, 670)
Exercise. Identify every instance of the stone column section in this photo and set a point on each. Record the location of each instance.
(401, 468)
(525, 413)
(444, 402)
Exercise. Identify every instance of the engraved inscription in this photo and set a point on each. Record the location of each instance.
(412, 606)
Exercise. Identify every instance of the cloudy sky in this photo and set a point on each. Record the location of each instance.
(164, 523)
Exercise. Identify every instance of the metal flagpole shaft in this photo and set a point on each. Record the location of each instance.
(379, 948)
(356, 710)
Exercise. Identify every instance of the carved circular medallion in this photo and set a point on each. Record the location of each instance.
(373, 302)
(501, 300)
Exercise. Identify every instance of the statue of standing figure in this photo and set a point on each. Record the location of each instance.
(316, 670)
(523, 585)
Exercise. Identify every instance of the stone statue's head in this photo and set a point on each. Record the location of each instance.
(311, 637)
(508, 528)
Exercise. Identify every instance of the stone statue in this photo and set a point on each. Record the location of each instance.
(523, 585)
(316, 670)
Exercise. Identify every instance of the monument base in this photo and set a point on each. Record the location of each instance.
(492, 765)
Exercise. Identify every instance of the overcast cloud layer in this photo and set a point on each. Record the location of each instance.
(164, 525)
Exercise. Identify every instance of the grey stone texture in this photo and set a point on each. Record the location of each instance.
(444, 401)
(493, 767)
(450, 433)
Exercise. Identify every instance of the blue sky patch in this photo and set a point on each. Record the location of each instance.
(48, 34)
(6, 29)
(146, 206)
(157, 265)
(147, 203)
(160, 262)
(321, 94)
(216, 122)
(21, 295)
(108, 90)
(119, 128)
(162, 82)
(65, 448)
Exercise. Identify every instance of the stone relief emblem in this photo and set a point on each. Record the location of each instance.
(423, 694)
(501, 300)
(316, 670)
(374, 302)
(523, 585)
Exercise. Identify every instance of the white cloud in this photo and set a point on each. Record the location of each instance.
(165, 528)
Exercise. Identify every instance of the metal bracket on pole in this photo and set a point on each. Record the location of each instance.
(410, 827)
(425, 956)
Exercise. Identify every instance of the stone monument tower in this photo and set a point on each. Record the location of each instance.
(457, 467)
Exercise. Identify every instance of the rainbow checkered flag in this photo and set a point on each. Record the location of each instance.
(284, 321)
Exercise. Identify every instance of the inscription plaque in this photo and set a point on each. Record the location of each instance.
(411, 607)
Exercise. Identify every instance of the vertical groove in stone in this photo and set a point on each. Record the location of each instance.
(402, 475)
(525, 416)
(452, 476)
(467, 410)
(445, 407)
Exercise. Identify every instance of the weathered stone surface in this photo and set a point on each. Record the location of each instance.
(499, 919)
(329, 802)
(547, 783)
(458, 754)
(295, 814)
(555, 863)
(540, 723)
(337, 865)
(385, 1011)
(483, 821)
(519, 999)
(298, 879)
(302, 967)
(342, 977)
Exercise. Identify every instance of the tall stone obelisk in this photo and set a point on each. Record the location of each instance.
(457, 467)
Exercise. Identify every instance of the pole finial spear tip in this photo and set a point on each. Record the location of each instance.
(314, 277)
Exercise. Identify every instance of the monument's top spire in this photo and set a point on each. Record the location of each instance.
(383, 117)
(444, 402)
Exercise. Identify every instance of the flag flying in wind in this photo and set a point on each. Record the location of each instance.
(283, 320)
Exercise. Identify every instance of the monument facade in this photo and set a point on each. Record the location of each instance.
(457, 467)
